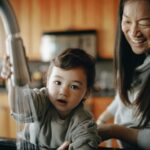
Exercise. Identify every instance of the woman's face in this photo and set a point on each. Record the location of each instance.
(136, 25)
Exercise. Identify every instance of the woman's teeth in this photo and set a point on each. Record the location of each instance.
(137, 41)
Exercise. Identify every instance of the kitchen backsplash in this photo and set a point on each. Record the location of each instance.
(104, 83)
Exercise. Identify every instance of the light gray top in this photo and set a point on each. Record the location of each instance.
(48, 130)
(125, 115)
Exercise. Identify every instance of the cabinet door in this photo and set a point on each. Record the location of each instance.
(7, 124)
(100, 104)
(4, 126)
(37, 16)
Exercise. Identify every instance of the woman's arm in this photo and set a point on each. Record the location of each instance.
(109, 131)
(143, 139)
(136, 137)
(104, 117)
(109, 113)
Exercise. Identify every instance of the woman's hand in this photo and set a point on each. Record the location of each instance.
(105, 131)
(64, 146)
(109, 131)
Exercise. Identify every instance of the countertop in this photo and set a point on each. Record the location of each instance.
(10, 144)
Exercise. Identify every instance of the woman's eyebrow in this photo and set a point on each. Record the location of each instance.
(146, 18)
(143, 18)
(125, 15)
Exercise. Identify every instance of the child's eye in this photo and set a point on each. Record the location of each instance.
(74, 87)
(57, 82)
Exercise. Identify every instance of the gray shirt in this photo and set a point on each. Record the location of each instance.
(125, 115)
(48, 130)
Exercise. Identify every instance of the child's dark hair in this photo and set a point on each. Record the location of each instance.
(74, 58)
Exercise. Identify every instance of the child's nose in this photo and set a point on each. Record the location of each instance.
(64, 90)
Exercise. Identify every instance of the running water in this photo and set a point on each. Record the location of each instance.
(24, 113)
(20, 97)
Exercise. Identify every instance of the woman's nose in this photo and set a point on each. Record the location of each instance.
(134, 30)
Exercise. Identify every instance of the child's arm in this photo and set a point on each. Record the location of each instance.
(18, 96)
(6, 74)
(64, 146)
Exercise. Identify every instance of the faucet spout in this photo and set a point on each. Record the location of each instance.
(14, 45)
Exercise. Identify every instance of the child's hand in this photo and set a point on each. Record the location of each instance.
(64, 146)
(6, 69)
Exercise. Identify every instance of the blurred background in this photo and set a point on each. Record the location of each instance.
(49, 26)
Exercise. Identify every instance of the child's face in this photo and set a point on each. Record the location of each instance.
(66, 88)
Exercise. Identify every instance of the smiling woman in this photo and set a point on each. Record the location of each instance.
(131, 106)
(135, 27)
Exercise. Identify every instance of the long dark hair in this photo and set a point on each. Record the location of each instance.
(125, 62)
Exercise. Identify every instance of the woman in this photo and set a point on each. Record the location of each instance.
(131, 106)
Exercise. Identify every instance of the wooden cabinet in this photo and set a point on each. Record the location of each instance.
(37, 16)
(100, 104)
(7, 125)
(97, 105)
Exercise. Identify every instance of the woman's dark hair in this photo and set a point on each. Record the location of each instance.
(125, 62)
(74, 58)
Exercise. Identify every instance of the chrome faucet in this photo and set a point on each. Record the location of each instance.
(14, 45)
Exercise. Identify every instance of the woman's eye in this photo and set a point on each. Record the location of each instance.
(144, 23)
(126, 22)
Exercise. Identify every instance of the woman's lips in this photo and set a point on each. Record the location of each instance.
(137, 43)
(137, 40)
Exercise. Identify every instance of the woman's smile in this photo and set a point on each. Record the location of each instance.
(138, 42)
(136, 26)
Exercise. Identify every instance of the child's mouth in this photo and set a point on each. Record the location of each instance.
(62, 101)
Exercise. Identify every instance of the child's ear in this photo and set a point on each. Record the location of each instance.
(86, 94)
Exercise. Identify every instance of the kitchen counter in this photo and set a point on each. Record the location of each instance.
(10, 143)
